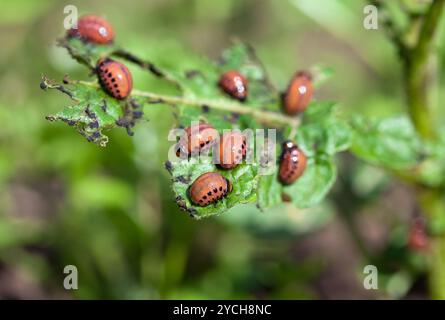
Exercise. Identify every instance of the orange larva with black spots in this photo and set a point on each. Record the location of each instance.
(93, 29)
(234, 84)
(208, 188)
(115, 78)
(232, 149)
(298, 94)
(196, 138)
(292, 163)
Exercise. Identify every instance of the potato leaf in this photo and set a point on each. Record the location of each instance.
(319, 132)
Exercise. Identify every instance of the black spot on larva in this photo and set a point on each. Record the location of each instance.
(201, 201)
(215, 190)
(109, 75)
(115, 85)
(209, 193)
(113, 80)
(202, 144)
(220, 188)
(205, 197)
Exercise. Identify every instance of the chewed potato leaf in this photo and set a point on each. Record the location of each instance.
(184, 173)
(93, 111)
(321, 134)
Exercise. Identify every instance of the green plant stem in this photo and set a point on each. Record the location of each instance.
(433, 204)
(417, 88)
(416, 72)
(263, 116)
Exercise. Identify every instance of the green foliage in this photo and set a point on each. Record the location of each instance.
(392, 143)
(320, 133)
(93, 111)
(86, 53)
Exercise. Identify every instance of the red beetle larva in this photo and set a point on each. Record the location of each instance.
(196, 138)
(298, 94)
(234, 84)
(208, 188)
(292, 163)
(115, 78)
(94, 29)
(232, 149)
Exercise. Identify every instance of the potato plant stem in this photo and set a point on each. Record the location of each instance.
(263, 116)
(417, 87)
(416, 72)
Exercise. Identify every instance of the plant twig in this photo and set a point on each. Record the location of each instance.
(416, 73)
(392, 31)
(263, 116)
(151, 67)
(417, 87)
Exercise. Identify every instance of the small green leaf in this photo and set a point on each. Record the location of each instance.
(269, 191)
(322, 131)
(92, 112)
(84, 52)
(307, 191)
(392, 143)
(243, 179)
(314, 184)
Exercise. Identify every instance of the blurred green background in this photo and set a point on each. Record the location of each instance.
(110, 212)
